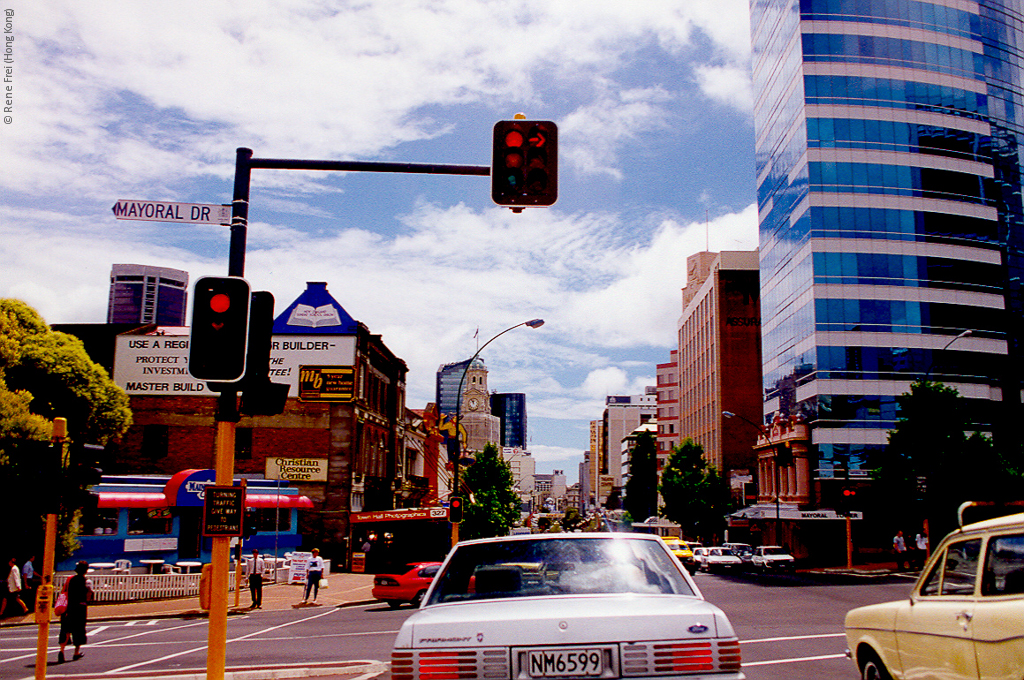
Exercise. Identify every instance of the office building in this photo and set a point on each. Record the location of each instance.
(622, 415)
(889, 196)
(510, 408)
(143, 294)
(719, 358)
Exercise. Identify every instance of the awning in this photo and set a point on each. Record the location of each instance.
(273, 500)
(131, 499)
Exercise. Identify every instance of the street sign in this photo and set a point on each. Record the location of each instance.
(223, 509)
(159, 211)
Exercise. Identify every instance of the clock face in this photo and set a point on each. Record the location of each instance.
(474, 403)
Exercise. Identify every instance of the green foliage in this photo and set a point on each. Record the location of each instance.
(494, 505)
(642, 487)
(45, 374)
(931, 442)
(572, 520)
(696, 495)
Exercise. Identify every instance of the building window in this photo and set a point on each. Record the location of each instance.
(243, 443)
(98, 521)
(154, 441)
(149, 521)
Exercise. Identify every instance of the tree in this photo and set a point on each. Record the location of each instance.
(696, 496)
(642, 487)
(932, 464)
(572, 520)
(45, 374)
(494, 505)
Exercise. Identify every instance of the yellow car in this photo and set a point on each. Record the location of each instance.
(964, 617)
(682, 550)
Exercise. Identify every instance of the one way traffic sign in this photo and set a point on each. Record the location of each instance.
(158, 211)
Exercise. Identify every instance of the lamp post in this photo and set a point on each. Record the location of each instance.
(962, 334)
(533, 323)
(775, 462)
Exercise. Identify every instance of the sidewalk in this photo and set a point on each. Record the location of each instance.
(345, 590)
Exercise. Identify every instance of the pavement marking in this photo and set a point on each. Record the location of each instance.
(796, 660)
(793, 637)
(230, 640)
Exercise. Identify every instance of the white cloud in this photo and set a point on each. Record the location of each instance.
(729, 85)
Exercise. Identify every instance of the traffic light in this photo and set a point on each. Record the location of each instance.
(455, 509)
(260, 396)
(250, 522)
(82, 472)
(524, 165)
(220, 328)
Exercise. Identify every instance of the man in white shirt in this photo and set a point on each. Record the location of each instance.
(254, 568)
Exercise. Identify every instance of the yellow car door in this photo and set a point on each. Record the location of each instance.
(998, 623)
(934, 632)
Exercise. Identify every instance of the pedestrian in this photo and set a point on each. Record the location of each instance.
(30, 580)
(921, 541)
(254, 567)
(13, 587)
(899, 549)
(73, 620)
(314, 572)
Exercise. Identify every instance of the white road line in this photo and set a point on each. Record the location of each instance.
(797, 660)
(793, 637)
(201, 648)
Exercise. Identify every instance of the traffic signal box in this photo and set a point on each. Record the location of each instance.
(524, 167)
(220, 329)
(455, 509)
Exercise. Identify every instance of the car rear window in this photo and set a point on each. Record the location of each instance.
(1004, 566)
(525, 568)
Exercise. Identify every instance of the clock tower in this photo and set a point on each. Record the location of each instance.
(481, 427)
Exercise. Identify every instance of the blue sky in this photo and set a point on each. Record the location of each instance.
(133, 100)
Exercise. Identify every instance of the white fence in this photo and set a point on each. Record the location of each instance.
(128, 587)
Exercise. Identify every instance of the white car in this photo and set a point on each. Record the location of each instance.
(964, 617)
(719, 559)
(591, 605)
(772, 558)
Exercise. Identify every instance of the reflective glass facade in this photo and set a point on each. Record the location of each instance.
(889, 196)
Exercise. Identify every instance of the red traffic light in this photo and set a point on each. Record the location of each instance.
(524, 167)
(849, 492)
(219, 335)
(455, 509)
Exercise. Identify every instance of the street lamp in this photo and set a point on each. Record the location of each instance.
(962, 334)
(775, 462)
(533, 323)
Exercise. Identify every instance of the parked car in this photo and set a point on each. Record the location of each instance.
(719, 559)
(409, 585)
(682, 550)
(964, 617)
(772, 558)
(572, 614)
(744, 551)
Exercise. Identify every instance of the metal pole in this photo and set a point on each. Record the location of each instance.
(533, 323)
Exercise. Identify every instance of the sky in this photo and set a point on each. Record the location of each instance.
(149, 101)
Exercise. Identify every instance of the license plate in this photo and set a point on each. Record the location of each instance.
(573, 662)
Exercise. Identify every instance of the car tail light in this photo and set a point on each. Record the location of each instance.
(384, 581)
(449, 664)
(681, 657)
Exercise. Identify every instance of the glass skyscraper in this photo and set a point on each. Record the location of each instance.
(889, 197)
(144, 294)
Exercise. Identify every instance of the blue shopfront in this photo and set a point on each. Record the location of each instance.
(153, 521)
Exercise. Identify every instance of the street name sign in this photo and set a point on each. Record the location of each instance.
(160, 211)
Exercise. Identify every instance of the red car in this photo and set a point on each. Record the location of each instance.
(409, 586)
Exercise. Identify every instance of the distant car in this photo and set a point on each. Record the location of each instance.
(964, 617)
(719, 559)
(744, 551)
(682, 550)
(565, 606)
(410, 585)
(772, 558)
